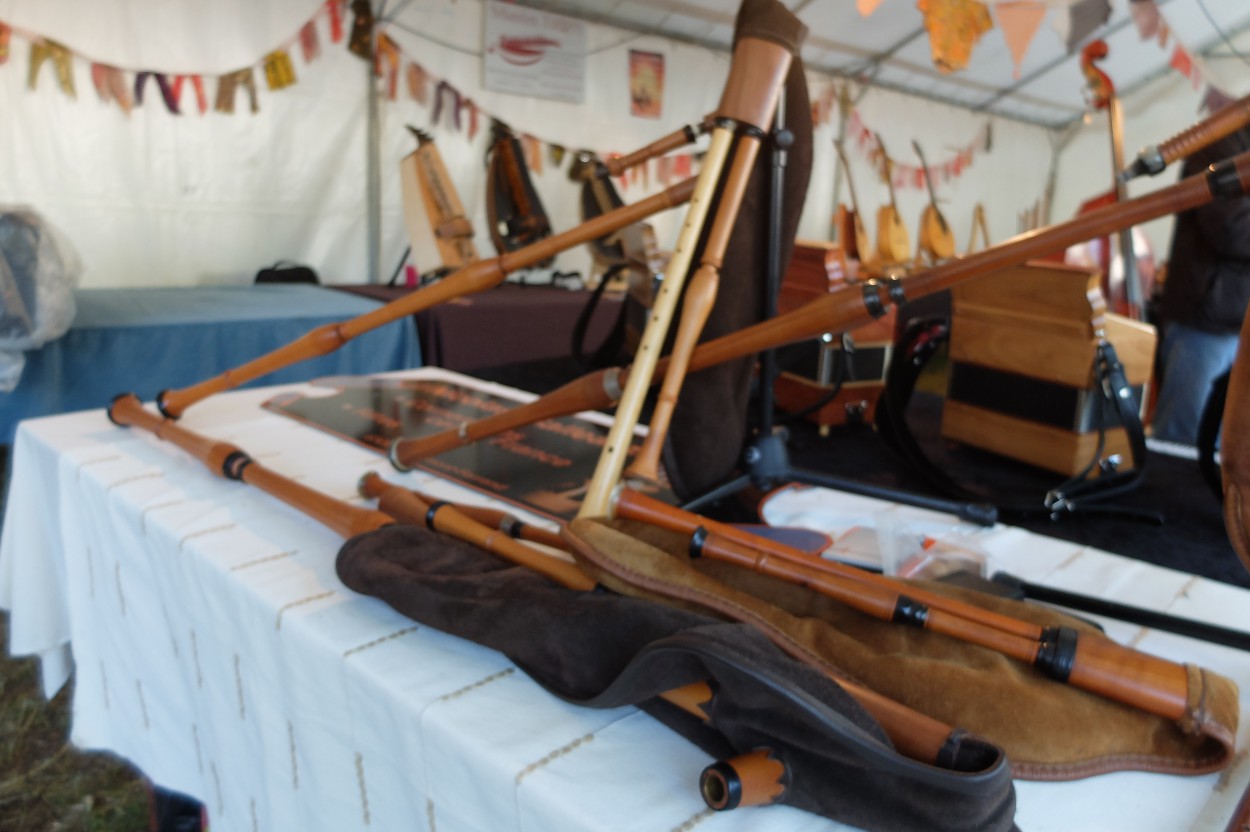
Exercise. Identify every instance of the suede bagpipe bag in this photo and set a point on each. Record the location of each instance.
(604, 649)
(1050, 731)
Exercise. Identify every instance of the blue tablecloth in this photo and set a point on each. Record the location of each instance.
(147, 340)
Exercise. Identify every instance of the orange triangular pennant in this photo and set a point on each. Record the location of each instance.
(1019, 21)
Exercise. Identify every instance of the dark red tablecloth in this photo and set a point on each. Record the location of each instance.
(509, 324)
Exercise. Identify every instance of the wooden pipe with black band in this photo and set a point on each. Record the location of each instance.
(397, 504)
(228, 461)
(851, 305)
(1151, 160)
(476, 277)
(681, 137)
(1085, 660)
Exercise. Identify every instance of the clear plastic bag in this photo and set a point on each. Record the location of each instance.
(38, 272)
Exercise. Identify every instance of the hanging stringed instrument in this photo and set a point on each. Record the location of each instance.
(979, 228)
(893, 242)
(440, 234)
(1123, 289)
(515, 212)
(851, 232)
(937, 241)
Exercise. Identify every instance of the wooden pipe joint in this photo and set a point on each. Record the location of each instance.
(755, 80)
(754, 779)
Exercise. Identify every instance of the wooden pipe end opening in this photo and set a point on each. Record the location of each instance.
(753, 779)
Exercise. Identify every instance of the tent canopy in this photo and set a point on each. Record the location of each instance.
(890, 47)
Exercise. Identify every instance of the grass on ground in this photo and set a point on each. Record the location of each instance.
(46, 785)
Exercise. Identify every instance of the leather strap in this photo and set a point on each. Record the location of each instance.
(917, 346)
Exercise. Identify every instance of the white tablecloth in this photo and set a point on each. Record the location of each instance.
(214, 647)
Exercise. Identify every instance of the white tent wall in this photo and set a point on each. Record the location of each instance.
(159, 199)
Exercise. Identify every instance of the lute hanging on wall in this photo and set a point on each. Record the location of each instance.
(440, 234)
(936, 241)
(851, 232)
(515, 212)
(893, 243)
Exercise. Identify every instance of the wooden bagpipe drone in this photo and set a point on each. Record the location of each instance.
(700, 575)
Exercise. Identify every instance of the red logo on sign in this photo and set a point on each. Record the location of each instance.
(523, 51)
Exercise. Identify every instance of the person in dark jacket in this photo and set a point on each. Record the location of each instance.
(1204, 299)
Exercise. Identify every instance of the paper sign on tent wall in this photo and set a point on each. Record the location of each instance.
(535, 53)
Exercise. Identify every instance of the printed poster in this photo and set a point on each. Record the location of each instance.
(646, 84)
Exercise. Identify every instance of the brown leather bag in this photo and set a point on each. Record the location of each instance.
(1235, 450)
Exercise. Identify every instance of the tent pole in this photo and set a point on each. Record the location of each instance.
(373, 177)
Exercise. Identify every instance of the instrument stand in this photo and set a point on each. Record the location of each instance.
(767, 459)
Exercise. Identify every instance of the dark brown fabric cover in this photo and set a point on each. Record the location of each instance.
(709, 427)
(1050, 731)
(602, 649)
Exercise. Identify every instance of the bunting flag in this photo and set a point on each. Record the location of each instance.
(823, 105)
(229, 84)
(533, 153)
(386, 61)
(1083, 18)
(43, 50)
(361, 41)
(1146, 17)
(1216, 99)
(1019, 21)
(442, 91)
(197, 84)
(473, 117)
(309, 45)
(903, 175)
(279, 70)
(867, 7)
(664, 170)
(1184, 64)
(418, 84)
(954, 27)
(555, 155)
(162, 83)
(1152, 25)
(110, 85)
(334, 10)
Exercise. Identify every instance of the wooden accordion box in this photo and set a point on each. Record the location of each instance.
(817, 268)
(1022, 380)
